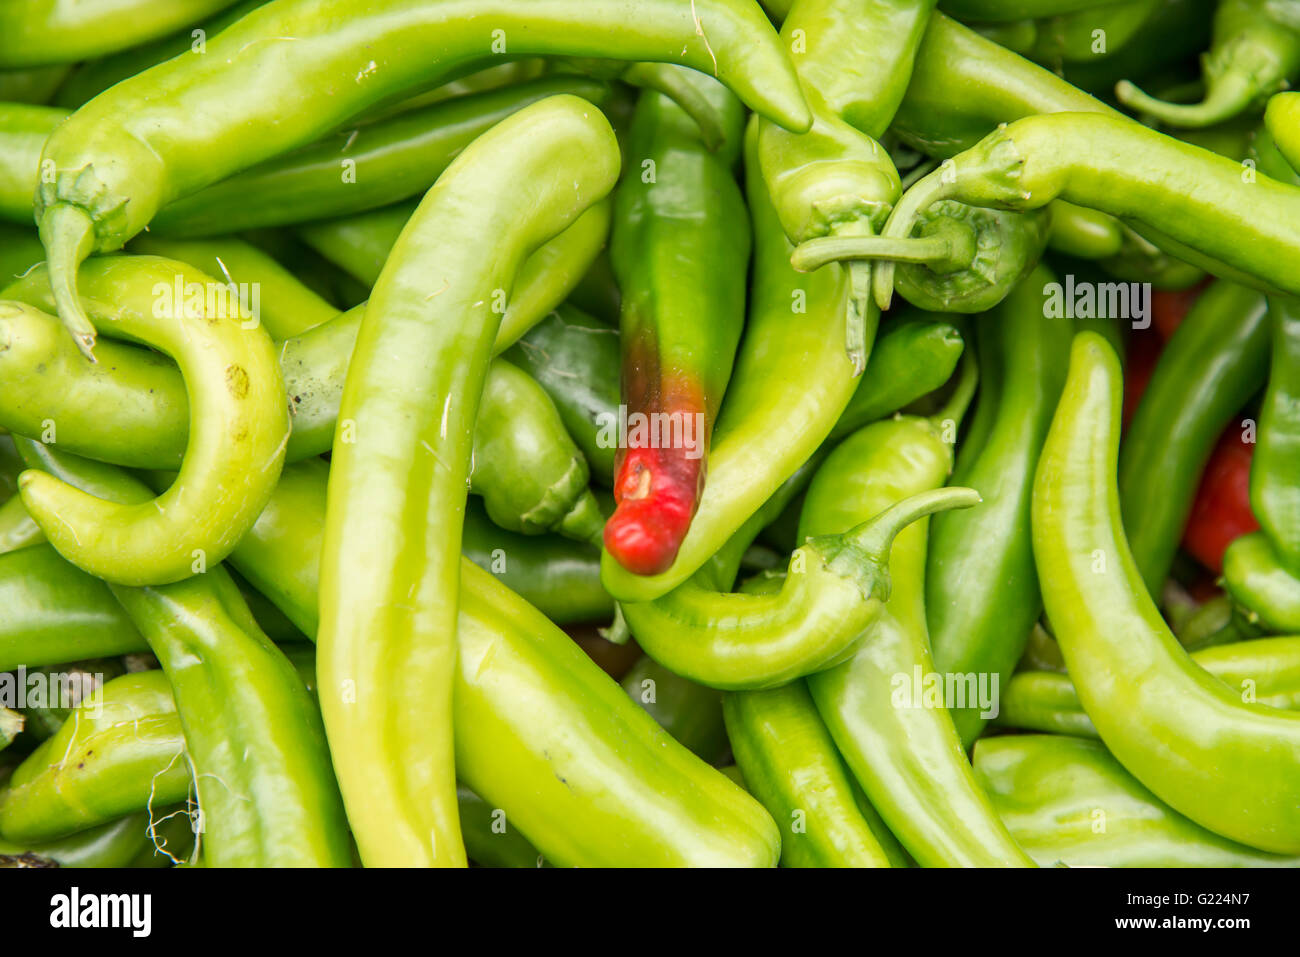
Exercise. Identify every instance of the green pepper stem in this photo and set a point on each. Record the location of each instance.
(873, 539)
(1226, 98)
(815, 253)
(585, 521)
(666, 79)
(968, 376)
(931, 188)
(69, 237)
(855, 323)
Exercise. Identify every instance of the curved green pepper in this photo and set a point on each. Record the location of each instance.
(132, 841)
(401, 463)
(238, 428)
(1253, 574)
(1069, 802)
(902, 747)
(1274, 499)
(1177, 729)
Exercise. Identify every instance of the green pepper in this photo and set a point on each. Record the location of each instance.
(265, 790)
(690, 712)
(621, 792)
(1263, 670)
(1255, 53)
(1178, 730)
(11, 724)
(981, 589)
(238, 429)
(120, 752)
(37, 32)
(575, 358)
(1189, 201)
(490, 841)
(1256, 578)
(401, 463)
(1212, 365)
(274, 297)
(67, 685)
(680, 251)
(20, 250)
(1282, 121)
(788, 389)
(901, 745)
(37, 85)
(1069, 802)
(358, 168)
(790, 764)
(1274, 498)
(56, 613)
(131, 150)
(914, 355)
(1084, 36)
(25, 130)
(132, 841)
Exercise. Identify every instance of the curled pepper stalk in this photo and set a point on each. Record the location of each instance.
(963, 258)
(1254, 53)
(128, 152)
(833, 592)
(1188, 200)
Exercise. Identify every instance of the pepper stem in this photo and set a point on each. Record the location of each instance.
(1226, 98)
(585, 521)
(666, 78)
(69, 237)
(862, 553)
(925, 193)
(815, 253)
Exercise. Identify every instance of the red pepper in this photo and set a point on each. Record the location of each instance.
(1169, 308)
(1221, 512)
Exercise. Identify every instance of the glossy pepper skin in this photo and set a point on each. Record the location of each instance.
(131, 150)
(680, 251)
(1193, 203)
(1255, 52)
(1262, 670)
(791, 383)
(1180, 731)
(1068, 801)
(136, 840)
(239, 425)
(981, 587)
(908, 760)
(41, 32)
(397, 490)
(23, 131)
(791, 765)
(1213, 364)
(621, 793)
(1274, 497)
(1282, 120)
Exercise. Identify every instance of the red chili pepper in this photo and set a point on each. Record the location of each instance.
(1221, 512)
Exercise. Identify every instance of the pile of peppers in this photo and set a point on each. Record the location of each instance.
(576, 433)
